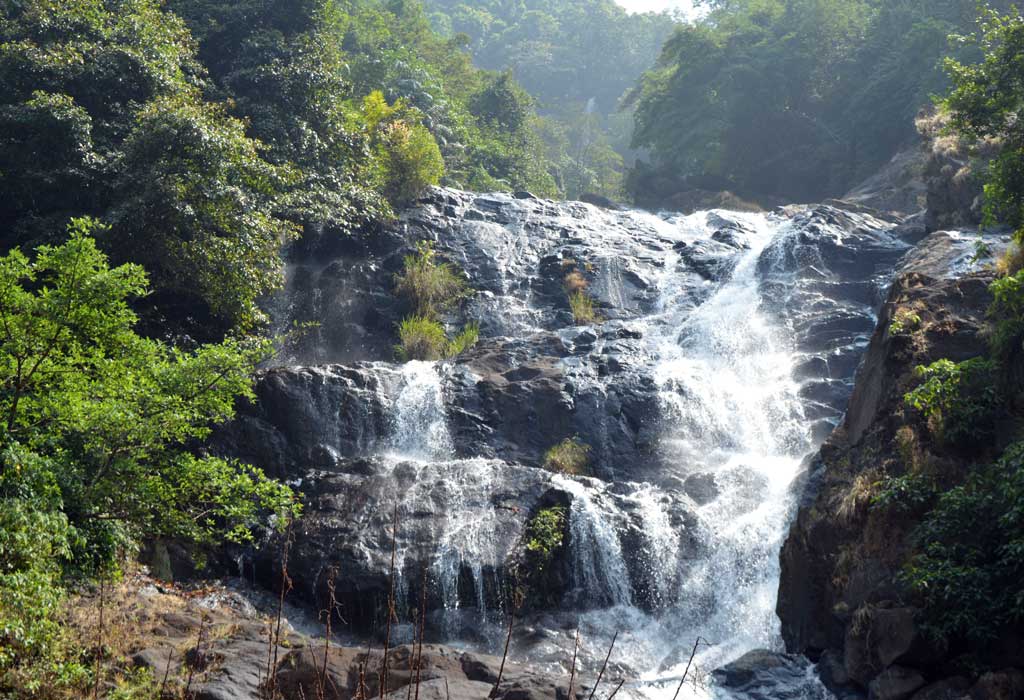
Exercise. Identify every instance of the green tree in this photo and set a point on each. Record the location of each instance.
(985, 103)
(102, 115)
(112, 412)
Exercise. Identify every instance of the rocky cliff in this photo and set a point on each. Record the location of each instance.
(841, 599)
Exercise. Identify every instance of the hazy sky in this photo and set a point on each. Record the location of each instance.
(656, 5)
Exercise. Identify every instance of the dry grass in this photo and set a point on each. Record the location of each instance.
(858, 498)
(570, 456)
(584, 311)
(575, 282)
(1011, 262)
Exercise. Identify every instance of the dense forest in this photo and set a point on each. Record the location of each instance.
(160, 160)
(792, 100)
(577, 59)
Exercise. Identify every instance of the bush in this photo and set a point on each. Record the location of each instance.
(583, 310)
(430, 287)
(469, 337)
(1007, 311)
(971, 563)
(424, 339)
(545, 532)
(420, 338)
(904, 323)
(905, 494)
(570, 456)
(959, 400)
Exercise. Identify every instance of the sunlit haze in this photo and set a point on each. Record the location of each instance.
(685, 6)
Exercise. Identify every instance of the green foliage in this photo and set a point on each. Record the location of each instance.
(1007, 311)
(575, 58)
(570, 456)
(583, 309)
(194, 209)
(904, 323)
(421, 338)
(795, 99)
(970, 564)
(108, 91)
(907, 494)
(545, 533)
(407, 158)
(468, 337)
(960, 400)
(34, 540)
(113, 411)
(985, 103)
(429, 287)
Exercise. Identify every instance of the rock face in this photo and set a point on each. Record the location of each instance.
(725, 351)
(840, 596)
(218, 645)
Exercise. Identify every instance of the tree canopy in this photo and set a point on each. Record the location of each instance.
(791, 99)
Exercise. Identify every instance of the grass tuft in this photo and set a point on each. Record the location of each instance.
(570, 456)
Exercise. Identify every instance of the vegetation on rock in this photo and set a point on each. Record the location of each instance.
(570, 456)
(431, 287)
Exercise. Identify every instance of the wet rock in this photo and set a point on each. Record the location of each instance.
(895, 683)
(817, 597)
(1007, 684)
(949, 689)
(701, 488)
(881, 637)
(764, 675)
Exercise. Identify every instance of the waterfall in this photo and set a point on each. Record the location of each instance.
(705, 315)
(420, 426)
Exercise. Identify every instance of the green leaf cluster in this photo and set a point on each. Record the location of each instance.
(961, 401)
(971, 563)
(985, 103)
(113, 412)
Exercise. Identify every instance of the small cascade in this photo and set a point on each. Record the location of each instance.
(420, 426)
(599, 569)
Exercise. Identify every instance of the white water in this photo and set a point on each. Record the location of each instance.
(725, 376)
(420, 429)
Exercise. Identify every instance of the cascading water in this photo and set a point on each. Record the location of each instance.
(420, 427)
(706, 313)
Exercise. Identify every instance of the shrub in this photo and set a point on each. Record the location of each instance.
(430, 287)
(960, 400)
(905, 494)
(413, 160)
(570, 456)
(904, 323)
(545, 532)
(970, 564)
(463, 341)
(420, 338)
(583, 311)
(1007, 311)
